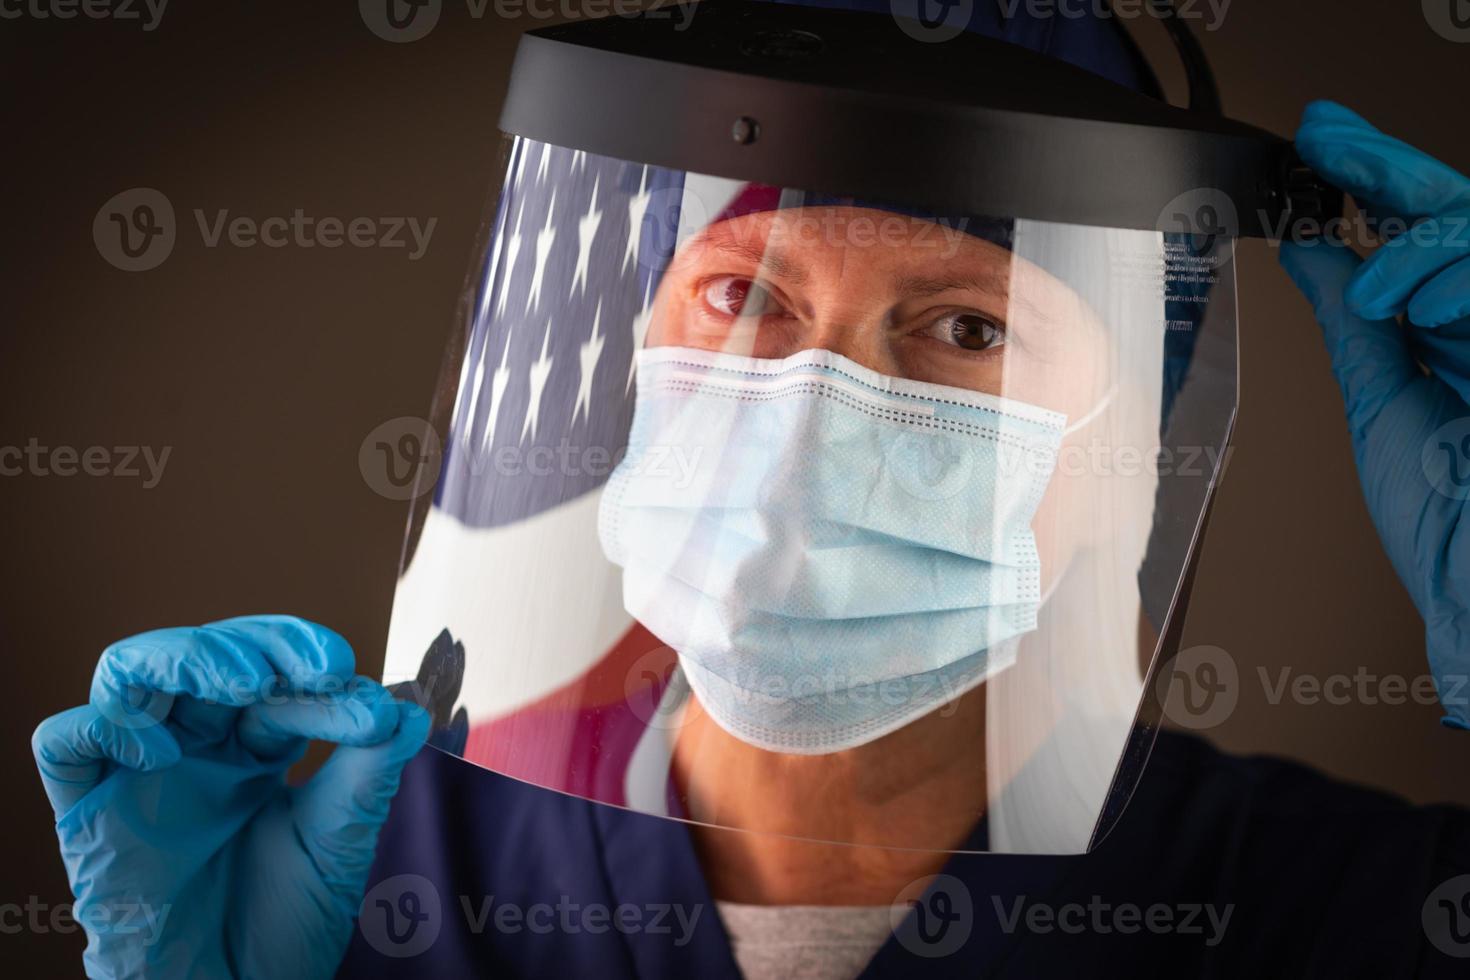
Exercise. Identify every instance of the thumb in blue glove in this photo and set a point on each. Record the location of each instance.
(1404, 385)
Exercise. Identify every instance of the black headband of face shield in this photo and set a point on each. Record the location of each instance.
(850, 103)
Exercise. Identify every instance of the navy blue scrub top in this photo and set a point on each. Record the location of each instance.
(478, 875)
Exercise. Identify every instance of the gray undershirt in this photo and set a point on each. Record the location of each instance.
(804, 942)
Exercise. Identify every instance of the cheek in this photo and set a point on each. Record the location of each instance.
(1062, 525)
(1072, 381)
(668, 325)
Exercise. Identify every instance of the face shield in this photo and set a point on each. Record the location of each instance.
(754, 489)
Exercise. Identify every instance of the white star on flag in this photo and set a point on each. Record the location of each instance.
(637, 207)
(498, 381)
(545, 238)
(640, 330)
(586, 232)
(540, 370)
(589, 355)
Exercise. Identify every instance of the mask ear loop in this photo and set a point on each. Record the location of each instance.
(1092, 413)
(1087, 419)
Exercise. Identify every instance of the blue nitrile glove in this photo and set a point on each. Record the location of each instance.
(188, 853)
(1410, 426)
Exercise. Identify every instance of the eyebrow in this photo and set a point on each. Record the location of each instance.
(990, 282)
(994, 283)
(756, 253)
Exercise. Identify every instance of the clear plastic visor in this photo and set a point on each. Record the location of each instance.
(777, 510)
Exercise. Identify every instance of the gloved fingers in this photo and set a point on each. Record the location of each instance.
(237, 662)
(1386, 283)
(339, 812)
(1377, 168)
(1445, 351)
(202, 722)
(1385, 224)
(1445, 298)
(73, 750)
(137, 678)
(307, 655)
(365, 715)
(1327, 112)
(1370, 358)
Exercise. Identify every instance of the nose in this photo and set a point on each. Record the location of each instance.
(857, 331)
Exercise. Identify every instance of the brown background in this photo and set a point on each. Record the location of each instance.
(264, 369)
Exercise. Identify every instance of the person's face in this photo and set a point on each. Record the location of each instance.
(902, 296)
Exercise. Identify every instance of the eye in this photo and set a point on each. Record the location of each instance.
(736, 296)
(968, 331)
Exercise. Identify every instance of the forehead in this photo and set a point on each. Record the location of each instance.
(822, 233)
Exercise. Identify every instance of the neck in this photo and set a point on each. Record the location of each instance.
(906, 797)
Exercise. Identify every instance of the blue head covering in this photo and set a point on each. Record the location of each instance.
(1101, 45)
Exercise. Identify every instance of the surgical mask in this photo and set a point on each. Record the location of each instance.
(831, 552)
